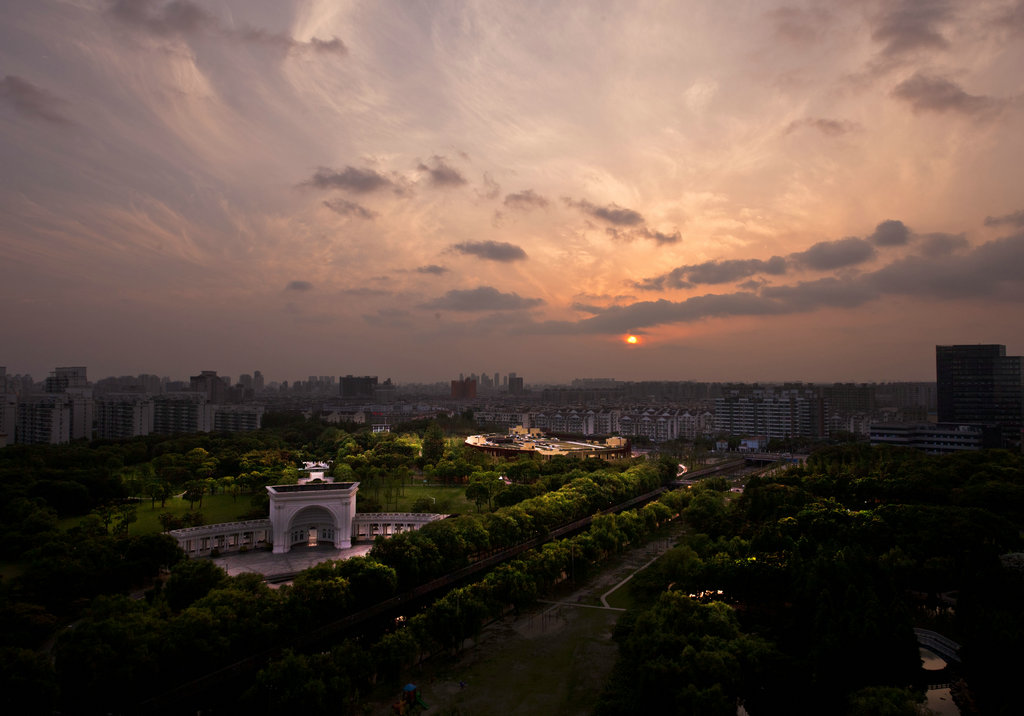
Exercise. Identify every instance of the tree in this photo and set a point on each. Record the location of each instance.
(433, 444)
(124, 515)
(479, 491)
(191, 580)
(194, 490)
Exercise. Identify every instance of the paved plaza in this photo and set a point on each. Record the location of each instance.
(277, 566)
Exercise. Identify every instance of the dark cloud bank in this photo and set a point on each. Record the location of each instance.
(985, 272)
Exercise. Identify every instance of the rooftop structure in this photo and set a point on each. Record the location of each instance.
(524, 442)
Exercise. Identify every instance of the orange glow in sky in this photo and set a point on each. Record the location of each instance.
(632, 340)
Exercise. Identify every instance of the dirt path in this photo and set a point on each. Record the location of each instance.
(552, 660)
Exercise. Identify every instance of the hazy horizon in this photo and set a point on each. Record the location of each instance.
(760, 191)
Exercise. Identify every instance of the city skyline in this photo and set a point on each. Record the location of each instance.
(769, 191)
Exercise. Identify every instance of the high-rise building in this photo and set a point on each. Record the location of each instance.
(980, 384)
(463, 389)
(120, 416)
(69, 377)
(44, 419)
(183, 412)
(211, 384)
(73, 384)
(515, 384)
(357, 386)
(8, 418)
(257, 381)
(237, 418)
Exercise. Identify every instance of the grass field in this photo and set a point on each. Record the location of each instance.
(224, 508)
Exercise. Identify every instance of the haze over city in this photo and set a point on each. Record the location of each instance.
(815, 191)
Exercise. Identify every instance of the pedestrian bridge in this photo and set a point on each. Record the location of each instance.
(938, 645)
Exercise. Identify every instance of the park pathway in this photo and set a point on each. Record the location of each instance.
(553, 659)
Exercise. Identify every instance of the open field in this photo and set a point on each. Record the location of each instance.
(225, 508)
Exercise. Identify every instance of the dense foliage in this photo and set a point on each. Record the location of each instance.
(825, 571)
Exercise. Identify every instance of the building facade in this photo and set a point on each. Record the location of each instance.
(980, 384)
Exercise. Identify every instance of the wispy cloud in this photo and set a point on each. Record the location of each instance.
(30, 100)
(185, 18)
(611, 213)
(350, 208)
(1014, 219)
(930, 93)
(353, 179)
(441, 174)
(433, 269)
(906, 26)
(828, 127)
(299, 286)
(525, 200)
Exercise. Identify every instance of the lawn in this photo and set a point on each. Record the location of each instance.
(446, 500)
(224, 508)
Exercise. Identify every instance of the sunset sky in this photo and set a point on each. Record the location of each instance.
(757, 190)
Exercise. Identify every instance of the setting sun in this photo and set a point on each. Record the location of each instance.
(632, 340)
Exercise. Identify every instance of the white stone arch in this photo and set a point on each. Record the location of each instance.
(311, 525)
(297, 508)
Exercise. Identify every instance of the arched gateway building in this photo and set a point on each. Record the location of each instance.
(312, 514)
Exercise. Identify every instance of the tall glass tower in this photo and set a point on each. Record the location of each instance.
(981, 384)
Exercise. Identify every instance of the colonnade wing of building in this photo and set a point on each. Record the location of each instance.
(307, 515)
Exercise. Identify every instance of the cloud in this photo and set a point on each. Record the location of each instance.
(359, 181)
(828, 255)
(299, 286)
(492, 190)
(178, 16)
(942, 244)
(483, 298)
(800, 26)
(979, 273)
(911, 25)
(712, 272)
(890, 233)
(441, 174)
(612, 213)
(828, 127)
(676, 278)
(334, 46)
(825, 292)
(982, 272)
(735, 269)
(643, 233)
(822, 256)
(432, 269)
(491, 250)
(350, 208)
(659, 237)
(30, 100)
(525, 200)
(928, 93)
(184, 18)
(1014, 219)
